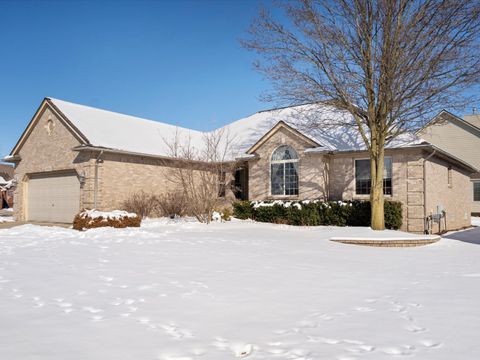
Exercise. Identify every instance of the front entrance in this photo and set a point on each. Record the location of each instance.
(241, 184)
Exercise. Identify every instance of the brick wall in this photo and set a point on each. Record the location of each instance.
(48, 149)
(454, 197)
(312, 169)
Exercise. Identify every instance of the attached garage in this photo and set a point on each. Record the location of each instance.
(53, 197)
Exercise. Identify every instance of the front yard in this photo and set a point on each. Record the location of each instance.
(182, 290)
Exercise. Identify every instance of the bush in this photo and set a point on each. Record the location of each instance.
(312, 213)
(393, 215)
(141, 203)
(89, 219)
(172, 204)
(243, 210)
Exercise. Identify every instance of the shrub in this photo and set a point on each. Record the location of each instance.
(172, 204)
(88, 219)
(226, 214)
(243, 210)
(141, 203)
(311, 213)
(393, 215)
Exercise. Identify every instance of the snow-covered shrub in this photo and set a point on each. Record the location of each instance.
(222, 215)
(88, 219)
(173, 204)
(315, 212)
(142, 204)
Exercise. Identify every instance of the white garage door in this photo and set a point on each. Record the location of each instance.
(53, 198)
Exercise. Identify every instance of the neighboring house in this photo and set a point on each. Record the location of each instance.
(6, 185)
(461, 138)
(72, 156)
(6, 171)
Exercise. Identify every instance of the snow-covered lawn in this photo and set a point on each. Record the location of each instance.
(475, 220)
(183, 290)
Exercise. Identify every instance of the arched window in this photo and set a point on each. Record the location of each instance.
(284, 171)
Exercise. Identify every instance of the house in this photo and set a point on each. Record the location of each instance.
(7, 186)
(461, 138)
(72, 156)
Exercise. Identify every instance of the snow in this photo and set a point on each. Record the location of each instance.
(133, 134)
(4, 184)
(6, 219)
(476, 220)
(115, 214)
(124, 132)
(364, 233)
(177, 289)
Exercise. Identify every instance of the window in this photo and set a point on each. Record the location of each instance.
(476, 191)
(362, 177)
(284, 171)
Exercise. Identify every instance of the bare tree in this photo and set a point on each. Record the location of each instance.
(202, 171)
(389, 63)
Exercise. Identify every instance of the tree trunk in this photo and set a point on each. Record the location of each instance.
(376, 192)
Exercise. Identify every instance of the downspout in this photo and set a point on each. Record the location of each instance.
(95, 183)
(425, 189)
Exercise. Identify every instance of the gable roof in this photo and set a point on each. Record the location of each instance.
(325, 127)
(103, 128)
(471, 122)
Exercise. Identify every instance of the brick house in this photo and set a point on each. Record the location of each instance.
(7, 187)
(72, 156)
(461, 138)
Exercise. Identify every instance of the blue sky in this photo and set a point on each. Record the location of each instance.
(173, 61)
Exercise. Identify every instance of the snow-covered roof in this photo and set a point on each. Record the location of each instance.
(124, 132)
(331, 129)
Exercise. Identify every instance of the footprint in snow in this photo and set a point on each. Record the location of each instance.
(431, 344)
(324, 340)
(92, 309)
(415, 328)
(363, 309)
(242, 350)
(361, 349)
(415, 305)
(400, 350)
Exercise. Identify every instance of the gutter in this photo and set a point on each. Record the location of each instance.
(95, 184)
(12, 158)
(425, 188)
(132, 153)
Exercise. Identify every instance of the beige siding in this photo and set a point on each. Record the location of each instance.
(456, 138)
(48, 149)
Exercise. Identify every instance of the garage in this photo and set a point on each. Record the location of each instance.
(53, 197)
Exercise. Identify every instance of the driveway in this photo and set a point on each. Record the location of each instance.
(470, 236)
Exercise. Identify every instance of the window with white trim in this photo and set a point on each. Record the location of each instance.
(363, 179)
(284, 171)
